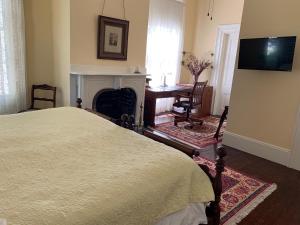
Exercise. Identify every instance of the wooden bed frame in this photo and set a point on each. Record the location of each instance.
(213, 211)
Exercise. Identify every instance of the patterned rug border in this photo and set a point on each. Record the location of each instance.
(237, 171)
(245, 208)
(184, 142)
(251, 205)
(164, 123)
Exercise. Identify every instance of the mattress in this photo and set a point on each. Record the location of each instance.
(66, 166)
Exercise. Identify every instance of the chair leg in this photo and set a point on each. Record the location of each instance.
(188, 112)
(187, 119)
(179, 119)
(182, 118)
(191, 123)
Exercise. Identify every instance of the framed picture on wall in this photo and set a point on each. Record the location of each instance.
(112, 38)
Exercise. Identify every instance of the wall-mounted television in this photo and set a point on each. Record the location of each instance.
(274, 53)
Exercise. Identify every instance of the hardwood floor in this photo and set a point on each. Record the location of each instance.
(283, 206)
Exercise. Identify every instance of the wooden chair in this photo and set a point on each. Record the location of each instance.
(194, 101)
(43, 87)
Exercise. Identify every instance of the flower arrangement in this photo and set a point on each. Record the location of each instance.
(195, 65)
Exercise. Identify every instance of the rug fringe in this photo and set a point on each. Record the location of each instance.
(238, 217)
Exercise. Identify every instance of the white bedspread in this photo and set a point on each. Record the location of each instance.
(66, 166)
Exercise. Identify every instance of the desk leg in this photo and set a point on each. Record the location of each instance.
(149, 112)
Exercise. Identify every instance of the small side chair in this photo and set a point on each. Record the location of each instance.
(43, 87)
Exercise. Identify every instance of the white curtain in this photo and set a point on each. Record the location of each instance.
(164, 45)
(12, 57)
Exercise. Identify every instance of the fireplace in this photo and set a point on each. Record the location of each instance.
(87, 80)
(115, 102)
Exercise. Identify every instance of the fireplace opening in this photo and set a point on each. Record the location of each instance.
(115, 102)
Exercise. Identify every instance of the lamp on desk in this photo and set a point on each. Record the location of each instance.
(148, 80)
(164, 79)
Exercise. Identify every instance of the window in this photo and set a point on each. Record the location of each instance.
(12, 57)
(3, 55)
(164, 46)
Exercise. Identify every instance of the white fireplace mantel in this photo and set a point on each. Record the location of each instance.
(87, 81)
(92, 70)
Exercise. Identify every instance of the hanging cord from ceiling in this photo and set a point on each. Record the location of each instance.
(211, 6)
(103, 7)
(104, 4)
(212, 9)
(124, 10)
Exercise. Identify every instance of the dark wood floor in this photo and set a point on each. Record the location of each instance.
(283, 206)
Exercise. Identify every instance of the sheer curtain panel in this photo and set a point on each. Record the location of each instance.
(164, 45)
(12, 57)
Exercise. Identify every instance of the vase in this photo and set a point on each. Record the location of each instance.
(196, 78)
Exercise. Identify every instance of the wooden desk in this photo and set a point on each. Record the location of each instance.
(172, 91)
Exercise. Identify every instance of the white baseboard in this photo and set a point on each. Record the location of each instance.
(258, 148)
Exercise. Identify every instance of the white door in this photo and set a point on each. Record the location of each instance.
(295, 155)
(225, 58)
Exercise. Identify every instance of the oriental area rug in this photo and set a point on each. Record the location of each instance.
(241, 193)
(200, 136)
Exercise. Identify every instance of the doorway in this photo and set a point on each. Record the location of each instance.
(225, 58)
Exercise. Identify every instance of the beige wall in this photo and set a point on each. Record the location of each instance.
(84, 20)
(264, 104)
(48, 45)
(225, 12)
(61, 32)
(47, 34)
(189, 33)
(39, 48)
(61, 50)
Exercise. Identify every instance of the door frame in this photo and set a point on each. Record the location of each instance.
(221, 32)
(295, 154)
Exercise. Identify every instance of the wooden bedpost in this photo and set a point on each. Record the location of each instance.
(213, 211)
(222, 119)
(217, 185)
(79, 103)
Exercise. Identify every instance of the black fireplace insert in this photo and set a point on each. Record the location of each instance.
(115, 102)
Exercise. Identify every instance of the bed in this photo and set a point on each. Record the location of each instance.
(66, 166)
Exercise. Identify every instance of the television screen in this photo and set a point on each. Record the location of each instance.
(275, 53)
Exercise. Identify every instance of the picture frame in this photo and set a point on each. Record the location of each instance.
(112, 38)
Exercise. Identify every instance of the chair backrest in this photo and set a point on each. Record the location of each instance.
(198, 92)
(43, 87)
